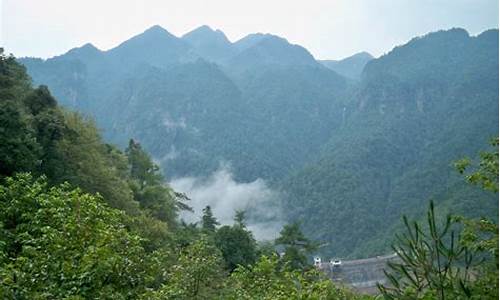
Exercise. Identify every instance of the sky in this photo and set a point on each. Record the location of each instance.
(329, 29)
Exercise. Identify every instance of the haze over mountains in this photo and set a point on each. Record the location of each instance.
(351, 144)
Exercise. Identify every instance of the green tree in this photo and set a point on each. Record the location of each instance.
(142, 167)
(19, 150)
(433, 264)
(297, 246)
(481, 235)
(92, 166)
(208, 221)
(237, 244)
(436, 262)
(266, 281)
(239, 218)
(40, 100)
(148, 188)
(197, 274)
(60, 243)
(485, 173)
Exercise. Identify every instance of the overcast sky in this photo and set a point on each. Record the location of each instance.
(329, 29)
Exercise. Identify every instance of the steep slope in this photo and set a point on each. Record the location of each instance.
(193, 115)
(350, 67)
(418, 109)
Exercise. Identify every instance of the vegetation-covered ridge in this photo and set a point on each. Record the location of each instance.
(79, 219)
(367, 137)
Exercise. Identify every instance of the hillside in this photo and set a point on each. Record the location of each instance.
(418, 109)
(193, 114)
(349, 156)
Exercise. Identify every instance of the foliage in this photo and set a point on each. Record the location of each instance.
(236, 243)
(60, 242)
(416, 109)
(99, 223)
(208, 221)
(197, 274)
(486, 174)
(297, 246)
(438, 263)
(274, 113)
(481, 235)
(265, 280)
(433, 263)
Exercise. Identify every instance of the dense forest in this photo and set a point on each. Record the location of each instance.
(349, 146)
(81, 219)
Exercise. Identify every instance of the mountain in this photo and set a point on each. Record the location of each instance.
(199, 101)
(86, 52)
(250, 40)
(155, 46)
(350, 67)
(262, 50)
(417, 109)
(349, 156)
(210, 44)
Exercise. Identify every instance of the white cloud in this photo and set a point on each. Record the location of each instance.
(225, 196)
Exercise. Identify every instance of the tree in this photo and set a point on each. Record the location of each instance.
(239, 218)
(197, 274)
(481, 235)
(142, 167)
(438, 263)
(58, 242)
(19, 150)
(432, 262)
(297, 246)
(40, 100)
(486, 173)
(208, 221)
(237, 244)
(92, 166)
(148, 188)
(265, 280)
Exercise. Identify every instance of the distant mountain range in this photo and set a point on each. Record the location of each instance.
(352, 144)
(153, 80)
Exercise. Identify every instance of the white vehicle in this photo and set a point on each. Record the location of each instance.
(335, 262)
(317, 261)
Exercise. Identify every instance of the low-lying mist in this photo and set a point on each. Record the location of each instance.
(225, 196)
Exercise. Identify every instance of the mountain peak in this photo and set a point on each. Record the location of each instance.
(200, 29)
(156, 29)
(250, 40)
(205, 33)
(350, 67)
(210, 44)
(155, 46)
(268, 49)
(84, 52)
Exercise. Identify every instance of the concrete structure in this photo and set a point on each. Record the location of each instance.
(362, 274)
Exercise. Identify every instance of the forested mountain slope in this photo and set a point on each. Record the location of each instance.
(418, 109)
(88, 221)
(263, 95)
(350, 155)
